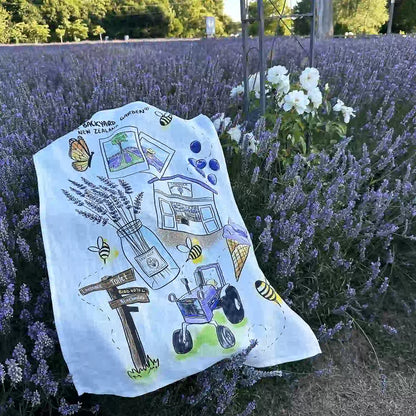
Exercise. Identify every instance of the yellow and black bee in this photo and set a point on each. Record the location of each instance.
(194, 250)
(268, 292)
(165, 118)
(102, 248)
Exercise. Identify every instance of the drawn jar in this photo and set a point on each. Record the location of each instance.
(148, 256)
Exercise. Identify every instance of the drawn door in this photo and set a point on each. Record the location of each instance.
(167, 214)
(209, 219)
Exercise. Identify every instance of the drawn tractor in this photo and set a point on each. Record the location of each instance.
(197, 307)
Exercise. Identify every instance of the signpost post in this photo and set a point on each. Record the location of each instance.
(120, 300)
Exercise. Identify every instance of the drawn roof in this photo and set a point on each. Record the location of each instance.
(167, 178)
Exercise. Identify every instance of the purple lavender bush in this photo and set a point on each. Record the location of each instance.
(331, 228)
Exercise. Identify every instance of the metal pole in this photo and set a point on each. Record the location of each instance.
(260, 12)
(244, 17)
(390, 17)
(312, 40)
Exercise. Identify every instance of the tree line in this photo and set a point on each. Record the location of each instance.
(72, 20)
(362, 16)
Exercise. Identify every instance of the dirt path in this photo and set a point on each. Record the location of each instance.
(355, 386)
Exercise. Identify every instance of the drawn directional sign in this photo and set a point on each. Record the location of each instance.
(110, 281)
(120, 304)
(127, 300)
(130, 290)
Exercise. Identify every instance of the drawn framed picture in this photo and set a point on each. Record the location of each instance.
(122, 153)
(157, 154)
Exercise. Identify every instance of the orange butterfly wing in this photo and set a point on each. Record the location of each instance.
(79, 151)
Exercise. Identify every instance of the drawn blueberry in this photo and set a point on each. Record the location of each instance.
(192, 161)
(201, 163)
(195, 146)
(214, 165)
(212, 178)
(200, 171)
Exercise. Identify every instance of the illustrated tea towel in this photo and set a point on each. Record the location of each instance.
(152, 271)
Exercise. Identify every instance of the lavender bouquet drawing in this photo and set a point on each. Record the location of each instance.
(109, 203)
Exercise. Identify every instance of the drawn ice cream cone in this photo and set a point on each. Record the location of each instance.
(238, 243)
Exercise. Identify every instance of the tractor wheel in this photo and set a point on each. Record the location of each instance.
(225, 337)
(232, 306)
(180, 345)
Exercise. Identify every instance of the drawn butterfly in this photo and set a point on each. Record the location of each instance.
(78, 151)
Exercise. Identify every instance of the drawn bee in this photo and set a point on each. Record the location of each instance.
(194, 250)
(80, 153)
(165, 118)
(268, 292)
(102, 248)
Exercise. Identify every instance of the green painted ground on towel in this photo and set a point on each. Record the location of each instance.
(205, 339)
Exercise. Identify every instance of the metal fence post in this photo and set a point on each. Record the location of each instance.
(260, 12)
(312, 40)
(244, 17)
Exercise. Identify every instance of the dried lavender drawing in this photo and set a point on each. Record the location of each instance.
(109, 203)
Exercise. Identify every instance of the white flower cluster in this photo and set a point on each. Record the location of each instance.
(275, 75)
(222, 124)
(347, 112)
(305, 100)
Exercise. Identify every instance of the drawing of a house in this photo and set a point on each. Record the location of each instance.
(185, 204)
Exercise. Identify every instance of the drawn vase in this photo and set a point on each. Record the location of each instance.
(148, 256)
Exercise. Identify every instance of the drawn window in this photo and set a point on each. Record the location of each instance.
(211, 226)
(180, 188)
(168, 222)
(206, 213)
(166, 208)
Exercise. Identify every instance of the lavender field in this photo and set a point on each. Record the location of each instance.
(335, 231)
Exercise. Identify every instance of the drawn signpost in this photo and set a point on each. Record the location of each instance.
(120, 300)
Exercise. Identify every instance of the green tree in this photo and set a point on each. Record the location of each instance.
(78, 30)
(117, 140)
(18, 32)
(98, 31)
(405, 17)
(359, 16)
(4, 26)
(271, 22)
(23, 11)
(36, 32)
(139, 19)
(60, 32)
(302, 26)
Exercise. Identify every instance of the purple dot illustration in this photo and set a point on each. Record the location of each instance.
(212, 178)
(214, 165)
(195, 146)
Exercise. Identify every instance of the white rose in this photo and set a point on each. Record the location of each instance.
(235, 133)
(274, 73)
(252, 143)
(297, 100)
(236, 91)
(217, 122)
(338, 106)
(347, 112)
(315, 96)
(283, 85)
(221, 122)
(309, 78)
(254, 82)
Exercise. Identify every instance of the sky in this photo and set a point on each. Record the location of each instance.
(232, 8)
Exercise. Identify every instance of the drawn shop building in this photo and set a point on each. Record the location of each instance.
(185, 204)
